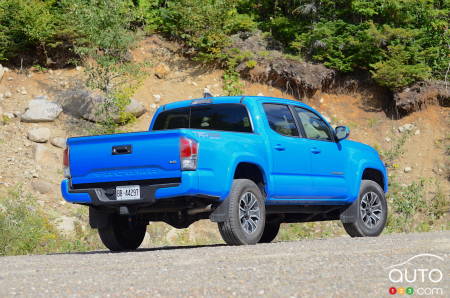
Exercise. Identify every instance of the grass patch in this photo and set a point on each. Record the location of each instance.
(26, 229)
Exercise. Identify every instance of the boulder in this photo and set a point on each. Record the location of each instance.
(161, 70)
(94, 107)
(59, 142)
(41, 186)
(39, 135)
(41, 110)
(136, 108)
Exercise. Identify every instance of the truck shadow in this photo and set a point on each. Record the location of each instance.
(160, 248)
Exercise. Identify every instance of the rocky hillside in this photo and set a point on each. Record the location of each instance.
(40, 108)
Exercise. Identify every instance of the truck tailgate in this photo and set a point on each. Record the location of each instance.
(125, 157)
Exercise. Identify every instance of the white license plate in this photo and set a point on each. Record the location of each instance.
(128, 192)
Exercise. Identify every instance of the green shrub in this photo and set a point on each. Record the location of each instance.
(26, 25)
(205, 25)
(26, 229)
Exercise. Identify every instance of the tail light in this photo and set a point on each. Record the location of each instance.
(188, 154)
(66, 163)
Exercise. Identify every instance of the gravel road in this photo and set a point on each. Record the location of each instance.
(342, 267)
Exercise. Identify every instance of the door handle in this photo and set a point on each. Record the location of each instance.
(315, 150)
(124, 149)
(279, 147)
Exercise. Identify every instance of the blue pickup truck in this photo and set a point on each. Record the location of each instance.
(248, 163)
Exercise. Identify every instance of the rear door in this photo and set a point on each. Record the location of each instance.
(290, 158)
(327, 157)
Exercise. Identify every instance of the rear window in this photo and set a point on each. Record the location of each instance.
(227, 117)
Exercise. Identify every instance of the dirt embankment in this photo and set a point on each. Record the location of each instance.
(35, 163)
(303, 79)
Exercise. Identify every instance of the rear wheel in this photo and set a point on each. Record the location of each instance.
(121, 235)
(270, 232)
(246, 214)
(371, 212)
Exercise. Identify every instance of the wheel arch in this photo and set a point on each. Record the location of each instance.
(252, 171)
(375, 175)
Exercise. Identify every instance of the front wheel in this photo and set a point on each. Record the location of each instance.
(121, 235)
(246, 214)
(270, 232)
(371, 211)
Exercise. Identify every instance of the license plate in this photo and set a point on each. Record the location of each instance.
(128, 192)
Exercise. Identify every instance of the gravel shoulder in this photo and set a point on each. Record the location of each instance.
(324, 267)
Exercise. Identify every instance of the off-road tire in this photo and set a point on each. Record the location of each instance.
(120, 235)
(359, 228)
(270, 232)
(232, 231)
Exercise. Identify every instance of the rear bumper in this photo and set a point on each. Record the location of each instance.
(97, 196)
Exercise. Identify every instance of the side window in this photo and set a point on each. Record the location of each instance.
(315, 128)
(280, 119)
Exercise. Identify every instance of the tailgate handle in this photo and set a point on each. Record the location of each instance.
(123, 149)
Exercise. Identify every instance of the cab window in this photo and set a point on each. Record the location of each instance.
(281, 119)
(315, 128)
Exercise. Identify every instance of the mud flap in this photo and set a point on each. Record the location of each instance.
(97, 219)
(350, 214)
(220, 214)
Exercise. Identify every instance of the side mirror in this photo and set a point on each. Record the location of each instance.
(342, 132)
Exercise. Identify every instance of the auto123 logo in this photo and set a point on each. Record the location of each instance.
(419, 275)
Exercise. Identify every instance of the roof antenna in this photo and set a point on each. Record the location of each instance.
(207, 93)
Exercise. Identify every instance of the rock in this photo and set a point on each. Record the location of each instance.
(9, 115)
(78, 68)
(417, 132)
(260, 94)
(39, 135)
(387, 139)
(10, 78)
(161, 70)
(41, 110)
(406, 128)
(157, 98)
(66, 224)
(2, 72)
(22, 91)
(89, 106)
(59, 142)
(136, 108)
(40, 153)
(41, 186)
(8, 94)
(321, 100)
(407, 169)
(153, 106)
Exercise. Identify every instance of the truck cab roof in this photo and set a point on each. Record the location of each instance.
(230, 99)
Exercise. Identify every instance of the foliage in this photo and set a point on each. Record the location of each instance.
(204, 25)
(26, 229)
(25, 25)
(399, 41)
(103, 39)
